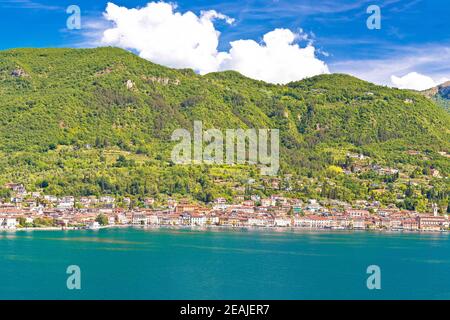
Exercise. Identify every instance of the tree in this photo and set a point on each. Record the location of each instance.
(422, 205)
(22, 221)
(44, 184)
(333, 171)
(102, 219)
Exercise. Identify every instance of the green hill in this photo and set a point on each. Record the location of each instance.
(96, 121)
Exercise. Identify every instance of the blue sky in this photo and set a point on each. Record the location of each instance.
(414, 35)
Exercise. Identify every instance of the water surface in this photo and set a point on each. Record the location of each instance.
(127, 263)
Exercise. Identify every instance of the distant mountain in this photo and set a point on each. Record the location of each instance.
(441, 94)
(89, 121)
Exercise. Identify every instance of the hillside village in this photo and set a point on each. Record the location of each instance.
(87, 132)
(33, 210)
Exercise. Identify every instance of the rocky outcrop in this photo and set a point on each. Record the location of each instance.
(442, 90)
(19, 73)
(130, 84)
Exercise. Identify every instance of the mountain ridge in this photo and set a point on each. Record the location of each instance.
(440, 94)
(67, 114)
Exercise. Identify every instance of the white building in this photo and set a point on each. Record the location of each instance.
(283, 222)
(8, 223)
(198, 220)
(140, 219)
(93, 225)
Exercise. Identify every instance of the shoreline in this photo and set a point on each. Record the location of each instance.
(224, 228)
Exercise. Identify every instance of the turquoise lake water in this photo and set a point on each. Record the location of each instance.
(127, 263)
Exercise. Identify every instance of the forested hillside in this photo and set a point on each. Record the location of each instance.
(99, 121)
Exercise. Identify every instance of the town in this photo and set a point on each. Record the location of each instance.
(32, 210)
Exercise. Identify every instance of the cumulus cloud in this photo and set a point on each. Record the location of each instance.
(413, 80)
(164, 36)
(277, 60)
(159, 33)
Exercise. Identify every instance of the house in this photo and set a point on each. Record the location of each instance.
(282, 222)
(51, 199)
(278, 199)
(153, 219)
(185, 219)
(411, 224)
(139, 218)
(18, 188)
(313, 206)
(312, 221)
(167, 219)
(340, 222)
(8, 223)
(122, 218)
(257, 221)
(396, 224)
(11, 223)
(172, 204)
(431, 223)
(267, 202)
(186, 208)
(93, 225)
(220, 207)
(111, 220)
(231, 220)
(84, 201)
(358, 223)
(248, 203)
(357, 213)
(220, 201)
(241, 209)
(198, 220)
(107, 199)
(16, 200)
(213, 219)
(66, 203)
(371, 223)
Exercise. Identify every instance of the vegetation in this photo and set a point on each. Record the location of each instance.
(99, 121)
(102, 219)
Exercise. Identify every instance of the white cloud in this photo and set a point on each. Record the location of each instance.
(184, 40)
(277, 60)
(400, 60)
(413, 80)
(443, 80)
(166, 37)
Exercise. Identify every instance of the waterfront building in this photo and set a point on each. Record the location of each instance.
(358, 223)
(431, 223)
(139, 218)
(282, 222)
(198, 220)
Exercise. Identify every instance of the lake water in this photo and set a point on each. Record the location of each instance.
(127, 263)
